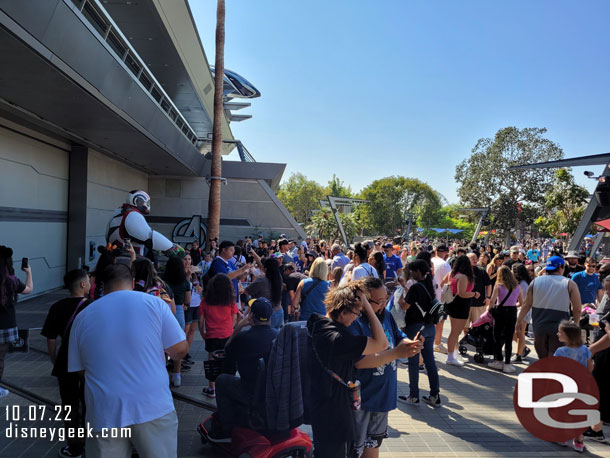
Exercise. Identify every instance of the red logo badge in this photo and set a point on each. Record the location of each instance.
(556, 399)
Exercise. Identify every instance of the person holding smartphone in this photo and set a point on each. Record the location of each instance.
(10, 288)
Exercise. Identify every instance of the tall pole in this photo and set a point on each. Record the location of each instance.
(216, 169)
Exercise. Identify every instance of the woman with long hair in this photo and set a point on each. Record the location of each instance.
(175, 277)
(10, 287)
(269, 286)
(417, 303)
(147, 281)
(493, 266)
(461, 280)
(361, 267)
(310, 293)
(191, 314)
(217, 317)
(376, 260)
(524, 278)
(335, 276)
(504, 298)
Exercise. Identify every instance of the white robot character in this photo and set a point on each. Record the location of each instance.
(128, 222)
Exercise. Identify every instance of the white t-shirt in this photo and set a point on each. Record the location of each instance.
(119, 341)
(364, 270)
(441, 268)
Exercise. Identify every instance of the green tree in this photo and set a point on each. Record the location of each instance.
(391, 199)
(564, 205)
(324, 226)
(486, 181)
(301, 196)
(336, 188)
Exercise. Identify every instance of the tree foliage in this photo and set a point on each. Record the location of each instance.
(486, 181)
(391, 199)
(324, 226)
(336, 188)
(564, 205)
(300, 196)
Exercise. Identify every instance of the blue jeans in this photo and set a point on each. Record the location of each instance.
(277, 319)
(428, 355)
(180, 316)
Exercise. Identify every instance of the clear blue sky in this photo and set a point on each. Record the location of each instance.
(368, 89)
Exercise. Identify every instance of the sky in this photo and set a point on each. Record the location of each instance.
(368, 89)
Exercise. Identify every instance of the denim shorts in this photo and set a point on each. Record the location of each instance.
(180, 316)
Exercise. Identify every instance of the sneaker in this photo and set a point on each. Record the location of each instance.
(578, 446)
(408, 400)
(209, 392)
(498, 365)
(508, 369)
(421, 367)
(4, 392)
(175, 379)
(185, 367)
(595, 435)
(65, 452)
(517, 359)
(526, 351)
(434, 401)
(440, 348)
(454, 362)
(188, 357)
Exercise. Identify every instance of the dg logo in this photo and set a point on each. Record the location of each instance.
(556, 399)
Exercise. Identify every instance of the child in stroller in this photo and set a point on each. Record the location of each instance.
(480, 336)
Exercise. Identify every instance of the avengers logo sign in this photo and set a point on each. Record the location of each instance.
(190, 230)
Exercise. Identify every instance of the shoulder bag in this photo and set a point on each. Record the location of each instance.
(495, 310)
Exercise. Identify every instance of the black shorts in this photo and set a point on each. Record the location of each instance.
(458, 310)
(215, 344)
(191, 314)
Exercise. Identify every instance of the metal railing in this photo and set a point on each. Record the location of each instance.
(96, 15)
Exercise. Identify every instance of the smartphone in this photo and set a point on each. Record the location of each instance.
(25, 262)
(127, 242)
(419, 332)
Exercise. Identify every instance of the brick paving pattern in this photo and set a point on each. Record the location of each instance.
(476, 418)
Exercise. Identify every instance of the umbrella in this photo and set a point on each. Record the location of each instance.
(605, 224)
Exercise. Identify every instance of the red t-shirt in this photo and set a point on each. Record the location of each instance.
(218, 320)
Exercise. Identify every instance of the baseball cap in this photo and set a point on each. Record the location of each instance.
(571, 254)
(554, 262)
(515, 249)
(261, 308)
(442, 248)
(388, 245)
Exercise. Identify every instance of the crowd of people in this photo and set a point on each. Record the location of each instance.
(369, 309)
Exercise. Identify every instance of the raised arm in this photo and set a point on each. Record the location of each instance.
(379, 341)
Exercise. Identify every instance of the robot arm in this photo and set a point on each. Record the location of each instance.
(139, 230)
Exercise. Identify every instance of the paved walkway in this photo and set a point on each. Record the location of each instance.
(476, 418)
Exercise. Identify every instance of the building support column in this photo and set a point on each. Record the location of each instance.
(77, 207)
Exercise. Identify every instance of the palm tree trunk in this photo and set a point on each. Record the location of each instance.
(216, 169)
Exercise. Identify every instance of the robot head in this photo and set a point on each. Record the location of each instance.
(140, 200)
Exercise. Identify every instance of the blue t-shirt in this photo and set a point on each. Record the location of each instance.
(588, 285)
(221, 266)
(533, 255)
(392, 264)
(379, 385)
(580, 354)
(314, 301)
